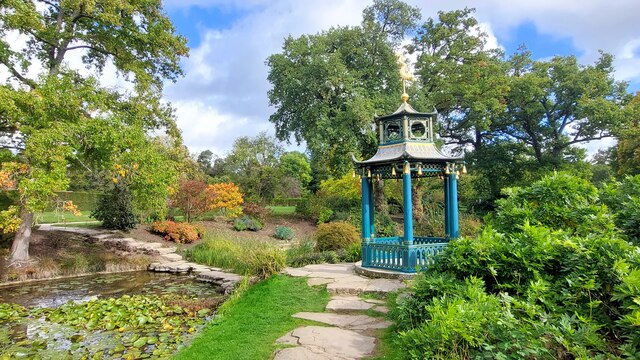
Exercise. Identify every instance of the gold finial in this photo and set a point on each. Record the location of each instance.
(405, 75)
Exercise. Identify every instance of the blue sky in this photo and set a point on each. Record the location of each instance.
(224, 92)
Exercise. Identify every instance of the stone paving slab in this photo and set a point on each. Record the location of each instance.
(348, 305)
(351, 322)
(336, 343)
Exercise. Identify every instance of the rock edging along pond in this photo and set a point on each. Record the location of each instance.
(170, 261)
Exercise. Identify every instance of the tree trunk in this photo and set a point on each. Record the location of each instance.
(416, 201)
(20, 247)
(380, 200)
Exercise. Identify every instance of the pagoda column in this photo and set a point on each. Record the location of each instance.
(408, 206)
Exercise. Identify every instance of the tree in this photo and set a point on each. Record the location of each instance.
(295, 164)
(253, 164)
(59, 116)
(191, 198)
(326, 88)
(556, 104)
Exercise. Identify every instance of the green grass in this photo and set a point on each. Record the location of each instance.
(49, 217)
(282, 210)
(252, 324)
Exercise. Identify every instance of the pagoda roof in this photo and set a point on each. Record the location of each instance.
(413, 151)
(405, 109)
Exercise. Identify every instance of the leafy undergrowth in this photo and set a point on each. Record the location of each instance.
(250, 327)
(130, 327)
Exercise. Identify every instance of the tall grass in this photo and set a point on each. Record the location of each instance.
(246, 257)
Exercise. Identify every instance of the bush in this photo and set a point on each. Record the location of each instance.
(283, 233)
(247, 223)
(178, 232)
(623, 199)
(253, 258)
(115, 209)
(559, 201)
(256, 211)
(336, 236)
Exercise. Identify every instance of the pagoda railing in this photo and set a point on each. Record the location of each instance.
(392, 253)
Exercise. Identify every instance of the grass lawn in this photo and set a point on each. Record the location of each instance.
(282, 210)
(251, 325)
(49, 217)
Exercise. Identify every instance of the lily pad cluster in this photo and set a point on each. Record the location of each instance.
(129, 327)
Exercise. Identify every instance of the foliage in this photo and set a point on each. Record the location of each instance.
(250, 327)
(624, 201)
(551, 280)
(247, 223)
(335, 236)
(64, 119)
(326, 87)
(305, 253)
(191, 198)
(284, 233)
(178, 232)
(141, 326)
(559, 201)
(256, 211)
(226, 197)
(254, 258)
(115, 208)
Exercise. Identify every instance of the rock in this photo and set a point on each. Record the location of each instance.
(351, 322)
(303, 353)
(318, 281)
(381, 309)
(348, 305)
(332, 343)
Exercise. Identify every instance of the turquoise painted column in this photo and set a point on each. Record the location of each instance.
(453, 207)
(447, 226)
(408, 205)
(372, 208)
(366, 208)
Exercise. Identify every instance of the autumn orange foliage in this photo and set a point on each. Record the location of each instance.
(226, 197)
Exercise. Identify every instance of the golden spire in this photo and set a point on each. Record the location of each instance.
(405, 75)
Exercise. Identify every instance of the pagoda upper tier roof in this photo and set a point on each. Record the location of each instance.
(412, 151)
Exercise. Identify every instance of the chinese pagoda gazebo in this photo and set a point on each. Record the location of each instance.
(407, 150)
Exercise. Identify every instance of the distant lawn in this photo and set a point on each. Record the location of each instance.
(49, 217)
(251, 326)
(282, 210)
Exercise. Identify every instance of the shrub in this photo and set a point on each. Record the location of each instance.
(256, 211)
(191, 198)
(558, 201)
(623, 199)
(335, 236)
(254, 258)
(283, 233)
(115, 208)
(247, 223)
(225, 197)
(178, 232)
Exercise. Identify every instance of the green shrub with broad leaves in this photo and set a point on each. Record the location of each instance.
(336, 236)
(284, 233)
(539, 282)
(623, 198)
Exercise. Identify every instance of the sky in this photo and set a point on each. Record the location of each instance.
(223, 94)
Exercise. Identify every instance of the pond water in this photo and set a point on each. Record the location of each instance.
(113, 316)
(53, 293)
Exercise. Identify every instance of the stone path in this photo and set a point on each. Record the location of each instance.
(351, 334)
(341, 279)
(170, 261)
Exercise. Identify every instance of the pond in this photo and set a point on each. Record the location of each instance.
(115, 316)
